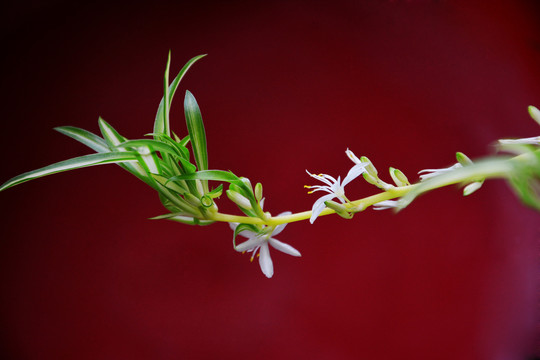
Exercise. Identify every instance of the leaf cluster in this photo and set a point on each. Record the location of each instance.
(164, 162)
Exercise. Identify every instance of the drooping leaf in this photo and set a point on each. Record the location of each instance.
(71, 164)
(86, 137)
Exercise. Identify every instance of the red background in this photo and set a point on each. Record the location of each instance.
(287, 85)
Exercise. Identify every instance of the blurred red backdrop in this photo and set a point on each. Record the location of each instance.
(287, 86)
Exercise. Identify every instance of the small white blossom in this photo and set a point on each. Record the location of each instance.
(386, 204)
(434, 172)
(259, 241)
(524, 141)
(334, 188)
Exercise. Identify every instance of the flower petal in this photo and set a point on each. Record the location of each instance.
(280, 227)
(322, 177)
(434, 172)
(249, 244)
(265, 261)
(319, 206)
(245, 233)
(353, 157)
(527, 141)
(386, 204)
(286, 248)
(355, 171)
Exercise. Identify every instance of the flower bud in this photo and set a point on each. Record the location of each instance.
(369, 168)
(472, 187)
(463, 159)
(247, 183)
(239, 199)
(339, 209)
(258, 191)
(399, 178)
(535, 113)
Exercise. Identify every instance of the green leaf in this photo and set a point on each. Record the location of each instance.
(215, 193)
(153, 144)
(113, 138)
(187, 167)
(181, 149)
(184, 141)
(182, 218)
(161, 124)
(196, 131)
(216, 175)
(176, 186)
(86, 137)
(149, 160)
(75, 163)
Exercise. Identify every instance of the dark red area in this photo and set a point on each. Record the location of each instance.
(287, 86)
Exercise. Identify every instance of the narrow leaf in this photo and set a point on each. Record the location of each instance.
(180, 217)
(216, 175)
(155, 145)
(161, 125)
(113, 138)
(75, 163)
(86, 137)
(196, 131)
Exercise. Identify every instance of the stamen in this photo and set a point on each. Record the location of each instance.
(307, 187)
(311, 192)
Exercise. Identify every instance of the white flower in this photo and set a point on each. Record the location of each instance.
(535, 114)
(524, 141)
(435, 172)
(259, 241)
(386, 204)
(334, 188)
